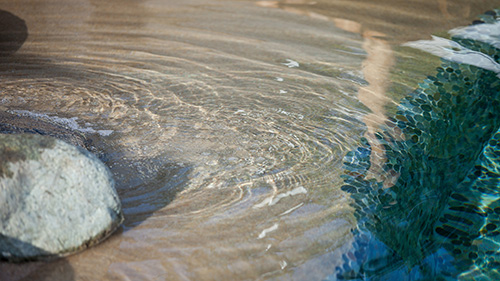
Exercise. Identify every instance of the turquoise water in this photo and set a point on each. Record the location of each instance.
(439, 219)
(272, 140)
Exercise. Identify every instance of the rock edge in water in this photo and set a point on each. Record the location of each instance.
(56, 199)
(12, 123)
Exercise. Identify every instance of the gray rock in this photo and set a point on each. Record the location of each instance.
(55, 198)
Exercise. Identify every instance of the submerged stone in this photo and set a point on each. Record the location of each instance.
(11, 123)
(55, 198)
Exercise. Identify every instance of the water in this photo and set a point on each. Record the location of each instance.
(225, 125)
(436, 214)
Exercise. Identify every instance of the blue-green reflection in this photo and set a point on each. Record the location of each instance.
(441, 218)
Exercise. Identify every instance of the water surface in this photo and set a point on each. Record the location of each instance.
(224, 123)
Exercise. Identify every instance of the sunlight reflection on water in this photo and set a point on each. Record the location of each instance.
(224, 123)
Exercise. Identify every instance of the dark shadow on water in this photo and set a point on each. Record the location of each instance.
(57, 269)
(13, 33)
(438, 216)
(145, 185)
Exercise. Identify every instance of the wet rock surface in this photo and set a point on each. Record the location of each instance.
(11, 123)
(56, 198)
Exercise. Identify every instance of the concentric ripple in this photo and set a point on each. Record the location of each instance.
(224, 124)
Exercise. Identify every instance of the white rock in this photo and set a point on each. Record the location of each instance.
(55, 198)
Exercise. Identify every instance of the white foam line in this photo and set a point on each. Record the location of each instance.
(291, 209)
(267, 230)
(67, 122)
(291, 63)
(275, 199)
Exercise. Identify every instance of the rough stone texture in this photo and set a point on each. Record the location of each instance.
(55, 198)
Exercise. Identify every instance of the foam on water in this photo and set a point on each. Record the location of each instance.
(224, 123)
(67, 122)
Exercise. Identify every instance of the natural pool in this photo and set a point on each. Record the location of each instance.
(226, 125)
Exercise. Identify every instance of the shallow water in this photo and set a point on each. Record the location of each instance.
(224, 123)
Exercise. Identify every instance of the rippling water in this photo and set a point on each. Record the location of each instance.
(224, 123)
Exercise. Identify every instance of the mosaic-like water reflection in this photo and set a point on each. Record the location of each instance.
(224, 123)
(436, 218)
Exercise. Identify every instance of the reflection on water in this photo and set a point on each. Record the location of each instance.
(226, 124)
(438, 221)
